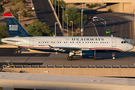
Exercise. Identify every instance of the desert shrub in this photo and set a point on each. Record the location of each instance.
(13, 4)
(29, 15)
(3, 31)
(24, 1)
(1, 9)
(5, 2)
(29, 9)
(38, 28)
(24, 13)
(14, 14)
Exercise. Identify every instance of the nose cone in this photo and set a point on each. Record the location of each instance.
(131, 47)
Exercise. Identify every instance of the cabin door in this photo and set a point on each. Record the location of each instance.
(113, 42)
(31, 42)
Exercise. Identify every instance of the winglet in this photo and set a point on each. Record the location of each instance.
(8, 15)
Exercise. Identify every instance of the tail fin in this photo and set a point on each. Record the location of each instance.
(14, 27)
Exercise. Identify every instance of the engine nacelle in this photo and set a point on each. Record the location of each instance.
(88, 53)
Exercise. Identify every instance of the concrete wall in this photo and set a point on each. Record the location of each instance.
(11, 84)
(114, 7)
(98, 1)
(126, 5)
(121, 6)
(113, 72)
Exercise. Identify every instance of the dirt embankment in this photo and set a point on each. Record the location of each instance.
(24, 20)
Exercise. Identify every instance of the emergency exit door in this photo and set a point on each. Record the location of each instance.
(113, 42)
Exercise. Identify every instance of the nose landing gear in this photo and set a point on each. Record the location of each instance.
(113, 56)
(18, 50)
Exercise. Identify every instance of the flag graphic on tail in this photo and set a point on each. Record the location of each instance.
(14, 27)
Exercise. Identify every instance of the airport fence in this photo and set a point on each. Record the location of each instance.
(69, 66)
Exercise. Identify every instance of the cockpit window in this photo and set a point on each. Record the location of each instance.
(124, 41)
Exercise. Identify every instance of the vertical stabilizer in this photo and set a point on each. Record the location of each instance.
(14, 27)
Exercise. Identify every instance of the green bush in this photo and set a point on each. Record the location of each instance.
(90, 6)
(16, 1)
(3, 31)
(110, 10)
(24, 14)
(73, 15)
(29, 15)
(94, 5)
(14, 14)
(8, 0)
(5, 2)
(13, 4)
(38, 28)
(24, 1)
(29, 9)
(1, 9)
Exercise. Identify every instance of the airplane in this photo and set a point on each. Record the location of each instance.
(85, 46)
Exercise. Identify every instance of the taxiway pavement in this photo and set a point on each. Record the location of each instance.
(101, 59)
(127, 58)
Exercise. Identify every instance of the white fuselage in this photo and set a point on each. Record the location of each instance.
(84, 42)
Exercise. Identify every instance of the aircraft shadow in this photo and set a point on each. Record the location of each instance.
(106, 56)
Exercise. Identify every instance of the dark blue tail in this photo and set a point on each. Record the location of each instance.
(14, 27)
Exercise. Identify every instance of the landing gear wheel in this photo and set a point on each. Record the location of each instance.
(18, 50)
(69, 58)
(113, 56)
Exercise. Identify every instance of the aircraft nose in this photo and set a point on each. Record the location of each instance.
(131, 47)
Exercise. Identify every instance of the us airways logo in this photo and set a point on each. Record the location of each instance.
(13, 27)
(87, 39)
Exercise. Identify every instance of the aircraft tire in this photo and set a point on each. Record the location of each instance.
(69, 58)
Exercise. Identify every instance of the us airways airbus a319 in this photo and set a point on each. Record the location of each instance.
(85, 46)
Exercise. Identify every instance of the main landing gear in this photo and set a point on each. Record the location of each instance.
(70, 56)
(113, 56)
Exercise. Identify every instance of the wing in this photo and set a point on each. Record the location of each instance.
(70, 49)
